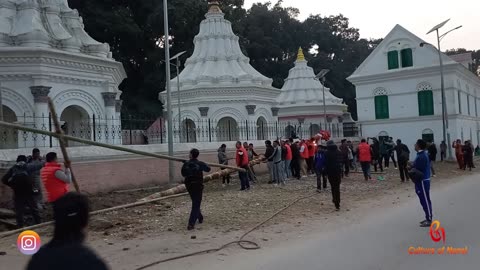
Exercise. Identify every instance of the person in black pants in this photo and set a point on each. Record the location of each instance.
(193, 170)
(403, 154)
(333, 165)
(20, 179)
(295, 164)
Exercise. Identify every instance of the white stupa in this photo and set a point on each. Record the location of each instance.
(301, 102)
(45, 52)
(220, 88)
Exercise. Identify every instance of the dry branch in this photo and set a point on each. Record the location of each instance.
(113, 147)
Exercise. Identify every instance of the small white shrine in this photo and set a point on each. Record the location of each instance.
(301, 104)
(45, 52)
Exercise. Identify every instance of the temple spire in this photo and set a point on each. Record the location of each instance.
(214, 7)
(300, 55)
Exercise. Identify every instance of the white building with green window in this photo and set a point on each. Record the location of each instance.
(398, 92)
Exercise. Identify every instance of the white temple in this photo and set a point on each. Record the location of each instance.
(45, 52)
(301, 103)
(219, 89)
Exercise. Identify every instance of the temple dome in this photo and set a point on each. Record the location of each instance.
(217, 60)
(46, 24)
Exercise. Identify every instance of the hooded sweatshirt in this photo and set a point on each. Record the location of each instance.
(333, 160)
(19, 178)
(222, 156)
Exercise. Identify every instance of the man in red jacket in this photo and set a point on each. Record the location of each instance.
(54, 179)
(241, 158)
(365, 158)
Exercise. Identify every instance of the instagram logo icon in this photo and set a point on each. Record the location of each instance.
(28, 242)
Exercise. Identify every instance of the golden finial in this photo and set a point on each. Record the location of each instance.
(300, 55)
(214, 7)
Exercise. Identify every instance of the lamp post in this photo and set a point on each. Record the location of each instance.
(1, 103)
(171, 165)
(177, 57)
(321, 77)
(446, 132)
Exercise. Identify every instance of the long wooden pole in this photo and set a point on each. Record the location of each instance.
(113, 147)
(129, 205)
(61, 140)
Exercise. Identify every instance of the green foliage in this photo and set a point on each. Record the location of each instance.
(270, 35)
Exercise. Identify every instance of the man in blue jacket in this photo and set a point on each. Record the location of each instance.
(422, 188)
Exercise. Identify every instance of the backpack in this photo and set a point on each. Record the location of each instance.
(21, 182)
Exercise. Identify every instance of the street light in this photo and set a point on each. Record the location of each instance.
(1, 103)
(446, 132)
(177, 57)
(171, 165)
(321, 77)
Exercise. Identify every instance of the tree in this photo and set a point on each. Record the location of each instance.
(474, 67)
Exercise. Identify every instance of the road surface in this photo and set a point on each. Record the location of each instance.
(380, 241)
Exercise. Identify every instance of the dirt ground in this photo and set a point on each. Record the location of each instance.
(159, 229)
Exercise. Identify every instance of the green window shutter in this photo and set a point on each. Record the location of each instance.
(407, 57)
(425, 103)
(392, 60)
(381, 107)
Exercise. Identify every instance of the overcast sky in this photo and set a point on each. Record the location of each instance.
(375, 18)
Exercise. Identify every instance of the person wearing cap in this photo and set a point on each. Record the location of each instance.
(67, 250)
(333, 165)
(54, 179)
(193, 170)
(295, 164)
(241, 158)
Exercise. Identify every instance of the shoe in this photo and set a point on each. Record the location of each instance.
(427, 223)
(423, 221)
(283, 183)
(242, 189)
(190, 227)
(275, 185)
(270, 182)
(434, 175)
(337, 208)
(319, 190)
(223, 185)
(396, 168)
(304, 176)
(324, 187)
(200, 220)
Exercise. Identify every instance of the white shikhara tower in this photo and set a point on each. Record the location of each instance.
(45, 52)
(219, 89)
(301, 103)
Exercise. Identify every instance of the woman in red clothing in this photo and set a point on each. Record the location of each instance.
(459, 153)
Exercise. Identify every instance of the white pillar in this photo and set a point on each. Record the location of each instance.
(41, 113)
(118, 139)
(108, 124)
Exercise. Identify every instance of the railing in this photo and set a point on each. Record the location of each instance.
(135, 130)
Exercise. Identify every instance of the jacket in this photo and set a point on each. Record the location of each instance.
(193, 170)
(375, 150)
(241, 157)
(320, 161)
(20, 179)
(304, 151)
(222, 157)
(432, 152)
(54, 187)
(344, 150)
(383, 148)
(364, 152)
(311, 149)
(277, 154)
(403, 153)
(268, 152)
(251, 154)
(333, 161)
(288, 151)
(295, 151)
(422, 163)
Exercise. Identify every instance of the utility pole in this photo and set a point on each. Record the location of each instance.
(171, 165)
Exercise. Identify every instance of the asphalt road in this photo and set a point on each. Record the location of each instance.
(380, 241)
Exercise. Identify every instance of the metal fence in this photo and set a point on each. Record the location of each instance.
(135, 130)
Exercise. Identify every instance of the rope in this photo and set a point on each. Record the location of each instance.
(244, 244)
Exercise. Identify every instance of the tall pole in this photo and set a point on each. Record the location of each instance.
(171, 165)
(1, 103)
(324, 104)
(178, 96)
(446, 134)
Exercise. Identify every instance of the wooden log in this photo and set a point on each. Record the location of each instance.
(61, 140)
(182, 188)
(102, 211)
(113, 147)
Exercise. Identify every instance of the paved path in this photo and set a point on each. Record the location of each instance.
(378, 242)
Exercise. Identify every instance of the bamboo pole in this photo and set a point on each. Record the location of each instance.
(113, 147)
(61, 140)
(207, 178)
(102, 211)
